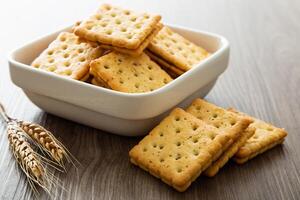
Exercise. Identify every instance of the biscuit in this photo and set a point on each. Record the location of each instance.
(118, 27)
(68, 55)
(99, 82)
(179, 149)
(140, 49)
(174, 71)
(177, 50)
(96, 80)
(266, 136)
(229, 153)
(85, 77)
(129, 74)
(224, 120)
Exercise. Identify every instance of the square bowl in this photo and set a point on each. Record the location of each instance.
(116, 112)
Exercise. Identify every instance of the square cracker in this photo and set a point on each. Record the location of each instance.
(140, 49)
(177, 50)
(68, 55)
(118, 27)
(165, 65)
(129, 74)
(224, 120)
(179, 149)
(266, 136)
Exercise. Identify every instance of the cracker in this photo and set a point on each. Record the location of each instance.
(177, 50)
(240, 160)
(68, 55)
(266, 136)
(229, 153)
(179, 149)
(224, 120)
(165, 65)
(171, 73)
(85, 77)
(96, 80)
(118, 27)
(99, 83)
(129, 74)
(140, 49)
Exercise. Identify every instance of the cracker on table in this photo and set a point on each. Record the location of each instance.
(179, 149)
(266, 136)
(175, 72)
(177, 50)
(129, 74)
(68, 55)
(229, 153)
(140, 49)
(223, 120)
(118, 27)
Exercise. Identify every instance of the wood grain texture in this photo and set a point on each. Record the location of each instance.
(263, 80)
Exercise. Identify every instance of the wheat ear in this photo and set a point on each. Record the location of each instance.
(45, 139)
(30, 164)
(22, 136)
(47, 142)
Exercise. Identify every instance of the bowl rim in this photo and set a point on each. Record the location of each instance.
(224, 44)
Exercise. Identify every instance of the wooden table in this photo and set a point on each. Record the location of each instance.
(263, 79)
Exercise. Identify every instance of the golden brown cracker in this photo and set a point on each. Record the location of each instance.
(129, 74)
(229, 153)
(68, 55)
(99, 82)
(177, 50)
(140, 49)
(241, 160)
(118, 27)
(179, 149)
(85, 77)
(223, 120)
(164, 64)
(266, 136)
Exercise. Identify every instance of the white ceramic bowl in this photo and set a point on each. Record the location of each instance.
(112, 111)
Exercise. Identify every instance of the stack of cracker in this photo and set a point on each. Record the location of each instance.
(121, 30)
(110, 45)
(175, 53)
(201, 140)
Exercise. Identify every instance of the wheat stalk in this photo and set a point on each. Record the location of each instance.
(22, 136)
